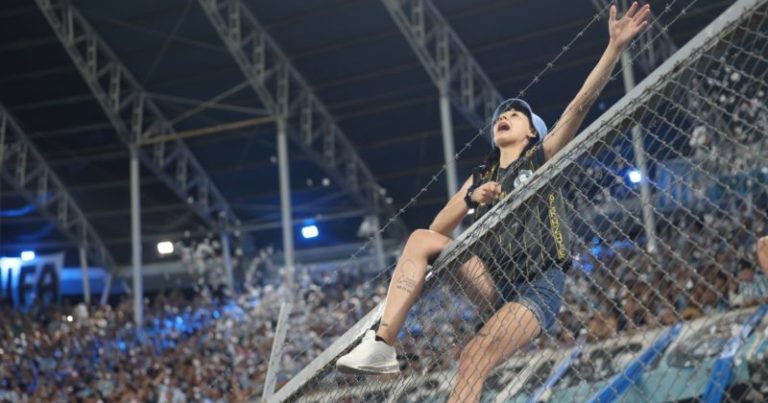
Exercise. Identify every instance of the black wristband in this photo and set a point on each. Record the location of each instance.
(476, 182)
(468, 199)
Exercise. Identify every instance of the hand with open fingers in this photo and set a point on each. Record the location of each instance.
(486, 193)
(623, 30)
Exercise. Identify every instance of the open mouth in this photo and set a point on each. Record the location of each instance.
(502, 127)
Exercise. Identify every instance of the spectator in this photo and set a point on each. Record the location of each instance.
(753, 288)
(603, 326)
(216, 347)
(762, 254)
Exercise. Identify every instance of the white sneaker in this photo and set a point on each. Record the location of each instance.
(370, 357)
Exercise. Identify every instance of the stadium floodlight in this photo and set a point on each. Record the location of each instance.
(27, 255)
(635, 176)
(310, 231)
(165, 248)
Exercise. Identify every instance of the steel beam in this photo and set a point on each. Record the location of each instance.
(446, 59)
(204, 131)
(134, 114)
(23, 166)
(245, 228)
(286, 94)
(459, 78)
(202, 105)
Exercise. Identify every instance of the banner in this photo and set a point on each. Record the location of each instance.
(24, 283)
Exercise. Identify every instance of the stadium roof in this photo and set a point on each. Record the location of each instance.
(351, 53)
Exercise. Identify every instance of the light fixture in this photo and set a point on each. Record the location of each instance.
(27, 255)
(310, 231)
(165, 248)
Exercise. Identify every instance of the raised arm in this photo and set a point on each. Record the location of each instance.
(621, 31)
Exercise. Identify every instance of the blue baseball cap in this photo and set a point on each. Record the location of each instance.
(519, 104)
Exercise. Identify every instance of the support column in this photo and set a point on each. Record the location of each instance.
(106, 287)
(649, 221)
(225, 245)
(378, 243)
(84, 275)
(285, 203)
(278, 344)
(138, 290)
(449, 151)
(448, 145)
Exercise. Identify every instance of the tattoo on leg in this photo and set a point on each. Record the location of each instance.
(406, 282)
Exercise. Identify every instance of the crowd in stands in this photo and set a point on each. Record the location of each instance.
(705, 266)
(211, 347)
(189, 350)
(198, 347)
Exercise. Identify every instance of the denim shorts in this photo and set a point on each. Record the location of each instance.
(542, 295)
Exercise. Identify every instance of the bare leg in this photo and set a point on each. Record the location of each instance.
(408, 280)
(475, 282)
(510, 328)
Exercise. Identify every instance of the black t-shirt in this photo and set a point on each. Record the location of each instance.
(534, 235)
